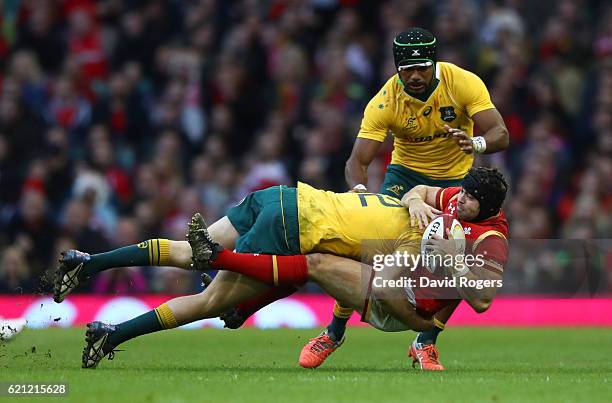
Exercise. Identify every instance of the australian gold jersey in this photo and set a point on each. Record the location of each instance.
(340, 223)
(420, 141)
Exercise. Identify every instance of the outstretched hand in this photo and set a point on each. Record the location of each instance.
(421, 213)
(460, 138)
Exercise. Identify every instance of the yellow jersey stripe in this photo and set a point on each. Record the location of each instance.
(275, 270)
(484, 235)
(283, 217)
(440, 200)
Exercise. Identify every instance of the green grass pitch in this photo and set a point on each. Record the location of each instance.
(489, 365)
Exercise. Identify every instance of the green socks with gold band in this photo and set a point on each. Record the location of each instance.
(152, 252)
(160, 318)
(430, 336)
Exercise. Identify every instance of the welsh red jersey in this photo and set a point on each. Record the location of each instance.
(487, 238)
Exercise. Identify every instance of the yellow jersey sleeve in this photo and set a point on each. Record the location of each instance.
(409, 241)
(377, 116)
(471, 92)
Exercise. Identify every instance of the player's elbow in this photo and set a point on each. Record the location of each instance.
(504, 138)
(480, 305)
(352, 163)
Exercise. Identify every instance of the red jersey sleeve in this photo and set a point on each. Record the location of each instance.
(445, 195)
(492, 247)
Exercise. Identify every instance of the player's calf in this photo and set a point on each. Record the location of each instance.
(235, 317)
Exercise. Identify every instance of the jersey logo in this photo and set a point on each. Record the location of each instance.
(415, 52)
(447, 113)
(397, 189)
(427, 111)
(412, 123)
(451, 209)
(467, 230)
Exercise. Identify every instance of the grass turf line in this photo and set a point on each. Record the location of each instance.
(250, 365)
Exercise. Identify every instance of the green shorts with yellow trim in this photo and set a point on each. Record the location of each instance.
(267, 222)
(399, 180)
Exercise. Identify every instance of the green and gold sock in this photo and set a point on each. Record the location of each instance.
(152, 252)
(337, 327)
(431, 336)
(160, 318)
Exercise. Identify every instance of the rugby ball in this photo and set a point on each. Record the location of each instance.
(438, 226)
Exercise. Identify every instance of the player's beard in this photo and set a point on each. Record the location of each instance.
(424, 89)
(464, 215)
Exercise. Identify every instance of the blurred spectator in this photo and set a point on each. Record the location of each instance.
(39, 30)
(31, 229)
(76, 225)
(15, 276)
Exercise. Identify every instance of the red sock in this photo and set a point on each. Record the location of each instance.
(271, 269)
(253, 305)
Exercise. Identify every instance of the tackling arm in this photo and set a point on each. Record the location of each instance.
(356, 169)
(477, 278)
(494, 130)
(403, 311)
(421, 203)
(479, 299)
(495, 137)
(342, 278)
(394, 300)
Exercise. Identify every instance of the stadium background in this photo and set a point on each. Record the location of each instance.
(119, 119)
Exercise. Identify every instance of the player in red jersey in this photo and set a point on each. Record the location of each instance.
(486, 235)
(476, 205)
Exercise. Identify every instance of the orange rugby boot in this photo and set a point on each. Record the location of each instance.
(318, 349)
(426, 355)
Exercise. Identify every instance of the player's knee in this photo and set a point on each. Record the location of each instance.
(315, 262)
(480, 305)
(319, 263)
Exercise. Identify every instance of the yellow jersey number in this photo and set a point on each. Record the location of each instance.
(387, 201)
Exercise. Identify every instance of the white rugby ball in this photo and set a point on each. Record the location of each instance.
(430, 260)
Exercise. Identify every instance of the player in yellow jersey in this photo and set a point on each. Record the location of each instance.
(280, 221)
(430, 108)
(283, 222)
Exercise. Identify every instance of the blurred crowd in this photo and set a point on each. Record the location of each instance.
(119, 119)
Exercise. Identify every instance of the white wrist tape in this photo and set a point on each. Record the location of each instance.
(479, 144)
(360, 187)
